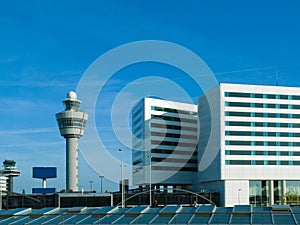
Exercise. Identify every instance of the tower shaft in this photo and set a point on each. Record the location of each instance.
(10, 184)
(72, 163)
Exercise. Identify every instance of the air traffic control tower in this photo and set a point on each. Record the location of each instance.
(71, 124)
(10, 172)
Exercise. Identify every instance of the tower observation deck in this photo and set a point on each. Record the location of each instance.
(71, 124)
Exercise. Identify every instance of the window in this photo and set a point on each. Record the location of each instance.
(283, 96)
(294, 97)
(238, 142)
(259, 152)
(237, 104)
(282, 115)
(241, 114)
(237, 94)
(284, 153)
(258, 124)
(238, 123)
(272, 162)
(284, 106)
(272, 106)
(178, 111)
(259, 162)
(272, 134)
(258, 105)
(237, 152)
(271, 96)
(258, 95)
(238, 162)
(295, 106)
(284, 125)
(237, 133)
(284, 163)
(296, 125)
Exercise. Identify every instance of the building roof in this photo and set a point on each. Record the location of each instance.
(170, 214)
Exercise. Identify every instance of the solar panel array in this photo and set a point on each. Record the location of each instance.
(142, 215)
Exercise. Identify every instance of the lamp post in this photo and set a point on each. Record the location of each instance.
(150, 179)
(122, 182)
(101, 177)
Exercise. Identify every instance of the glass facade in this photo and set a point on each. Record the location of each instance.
(164, 142)
(292, 195)
(284, 192)
(172, 137)
(277, 133)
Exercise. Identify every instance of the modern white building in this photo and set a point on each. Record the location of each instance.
(164, 143)
(3, 187)
(253, 154)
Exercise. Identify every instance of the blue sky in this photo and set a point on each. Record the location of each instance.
(46, 46)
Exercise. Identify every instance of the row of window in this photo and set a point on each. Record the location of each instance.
(260, 133)
(262, 105)
(185, 136)
(173, 160)
(265, 153)
(71, 122)
(179, 111)
(258, 95)
(175, 152)
(173, 127)
(173, 143)
(264, 115)
(175, 168)
(177, 119)
(136, 162)
(261, 124)
(263, 162)
(262, 143)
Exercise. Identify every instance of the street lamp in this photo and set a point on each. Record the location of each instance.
(239, 195)
(150, 179)
(101, 177)
(122, 182)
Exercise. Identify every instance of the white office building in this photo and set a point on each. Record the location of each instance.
(253, 156)
(164, 143)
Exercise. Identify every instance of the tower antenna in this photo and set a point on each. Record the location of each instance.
(277, 78)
